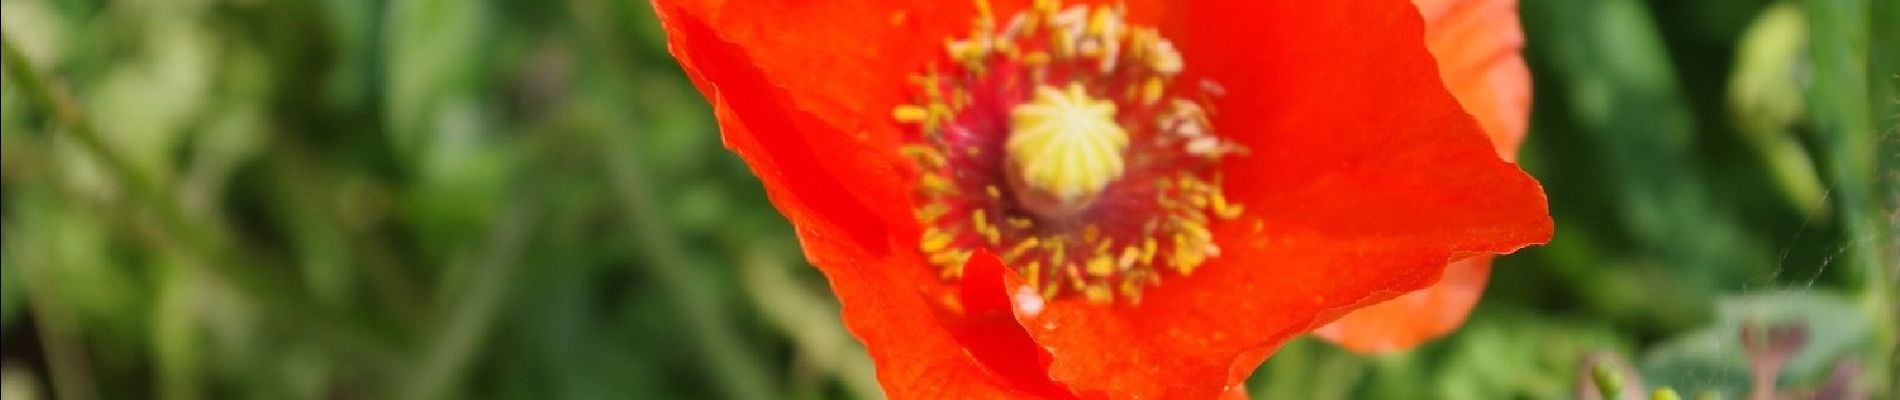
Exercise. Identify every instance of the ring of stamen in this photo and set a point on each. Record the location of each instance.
(1061, 141)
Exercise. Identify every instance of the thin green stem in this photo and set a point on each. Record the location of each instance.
(738, 368)
(477, 304)
(66, 357)
(73, 118)
(813, 323)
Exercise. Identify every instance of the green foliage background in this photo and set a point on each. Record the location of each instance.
(418, 199)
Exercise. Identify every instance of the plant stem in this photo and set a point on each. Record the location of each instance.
(69, 367)
(477, 303)
(813, 324)
(742, 375)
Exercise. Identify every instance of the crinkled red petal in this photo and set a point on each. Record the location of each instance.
(1364, 178)
(1406, 321)
(786, 105)
(1477, 44)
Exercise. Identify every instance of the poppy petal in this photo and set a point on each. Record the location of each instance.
(1364, 178)
(819, 81)
(1416, 317)
(1477, 44)
(907, 319)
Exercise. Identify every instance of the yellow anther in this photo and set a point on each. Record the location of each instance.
(1066, 143)
(1033, 273)
(1129, 256)
(936, 240)
(985, 19)
(1047, 8)
(1021, 248)
(932, 212)
(1036, 59)
(1187, 255)
(979, 220)
(1151, 90)
(1223, 209)
(1056, 250)
(1164, 59)
(910, 113)
(1141, 42)
(950, 259)
(1098, 22)
(1060, 43)
(963, 50)
(932, 83)
(950, 271)
(1199, 231)
(934, 184)
(1148, 249)
(940, 111)
(924, 156)
(1101, 266)
(1132, 290)
(1096, 293)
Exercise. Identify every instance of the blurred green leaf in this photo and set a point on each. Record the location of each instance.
(175, 334)
(1501, 353)
(1765, 97)
(434, 52)
(1714, 358)
(1852, 44)
(1619, 89)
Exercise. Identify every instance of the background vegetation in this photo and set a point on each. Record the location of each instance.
(296, 199)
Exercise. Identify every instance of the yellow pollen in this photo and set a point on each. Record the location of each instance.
(910, 113)
(1066, 143)
(1100, 266)
(1033, 273)
(932, 212)
(1096, 293)
(935, 184)
(936, 240)
(1021, 248)
(925, 157)
(1129, 256)
(1151, 90)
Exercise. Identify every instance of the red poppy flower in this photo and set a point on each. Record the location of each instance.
(1476, 43)
(1091, 200)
